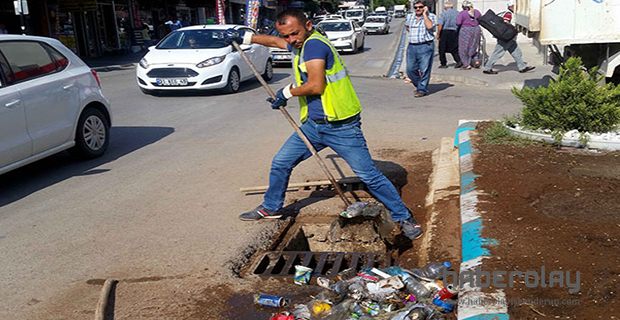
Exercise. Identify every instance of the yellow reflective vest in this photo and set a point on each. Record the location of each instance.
(339, 98)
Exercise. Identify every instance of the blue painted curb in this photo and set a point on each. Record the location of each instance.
(398, 56)
(473, 303)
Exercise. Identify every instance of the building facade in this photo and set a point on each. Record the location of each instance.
(93, 28)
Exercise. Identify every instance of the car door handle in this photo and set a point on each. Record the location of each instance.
(13, 104)
(68, 86)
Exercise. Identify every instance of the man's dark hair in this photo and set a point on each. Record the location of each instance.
(420, 1)
(291, 13)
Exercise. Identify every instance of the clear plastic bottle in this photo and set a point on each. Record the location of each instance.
(435, 270)
(416, 288)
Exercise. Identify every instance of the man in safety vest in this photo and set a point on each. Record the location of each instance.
(330, 117)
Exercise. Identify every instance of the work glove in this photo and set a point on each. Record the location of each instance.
(238, 36)
(282, 96)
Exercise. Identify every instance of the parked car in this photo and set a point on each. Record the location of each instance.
(377, 24)
(198, 57)
(50, 101)
(279, 56)
(345, 35)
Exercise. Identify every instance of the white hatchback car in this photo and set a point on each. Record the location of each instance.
(50, 101)
(377, 24)
(197, 57)
(345, 35)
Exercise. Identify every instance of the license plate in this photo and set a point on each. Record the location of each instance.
(172, 82)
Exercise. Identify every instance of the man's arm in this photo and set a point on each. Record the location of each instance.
(428, 23)
(316, 79)
(269, 41)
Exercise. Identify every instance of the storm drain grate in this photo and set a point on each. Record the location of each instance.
(323, 263)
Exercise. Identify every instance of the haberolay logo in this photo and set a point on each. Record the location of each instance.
(507, 279)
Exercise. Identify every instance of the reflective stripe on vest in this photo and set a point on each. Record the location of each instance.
(339, 99)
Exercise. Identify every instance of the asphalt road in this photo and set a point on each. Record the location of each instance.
(164, 200)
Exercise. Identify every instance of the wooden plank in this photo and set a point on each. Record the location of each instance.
(301, 185)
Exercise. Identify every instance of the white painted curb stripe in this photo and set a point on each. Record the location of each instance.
(473, 304)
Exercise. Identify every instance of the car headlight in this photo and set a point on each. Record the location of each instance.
(143, 63)
(210, 62)
(345, 38)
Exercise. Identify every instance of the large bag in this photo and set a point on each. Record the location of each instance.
(497, 27)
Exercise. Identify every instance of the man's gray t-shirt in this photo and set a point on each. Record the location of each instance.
(448, 19)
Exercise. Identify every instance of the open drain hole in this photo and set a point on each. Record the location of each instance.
(325, 248)
(322, 263)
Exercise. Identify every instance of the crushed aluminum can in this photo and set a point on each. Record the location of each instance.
(268, 300)
(446, 293)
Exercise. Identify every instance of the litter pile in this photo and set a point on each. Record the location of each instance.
(391, 293)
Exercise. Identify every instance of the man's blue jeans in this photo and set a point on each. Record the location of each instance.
(419, 64)
(347, 140)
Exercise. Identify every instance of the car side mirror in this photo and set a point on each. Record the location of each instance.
(151, 48)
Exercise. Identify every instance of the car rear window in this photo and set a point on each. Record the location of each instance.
(375, 19)
(335, 26)
(30, 59)
(193, 39)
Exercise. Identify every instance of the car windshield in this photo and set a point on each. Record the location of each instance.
(193, 39)
(354, 13)
(375, 19)
(335, 26)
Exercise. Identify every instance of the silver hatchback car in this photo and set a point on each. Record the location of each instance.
(50, 101)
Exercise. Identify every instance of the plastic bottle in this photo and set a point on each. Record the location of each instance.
(416, 288)
(435, 270)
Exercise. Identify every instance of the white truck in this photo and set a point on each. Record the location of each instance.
(400, 10)
(357, 14)
(589, 29)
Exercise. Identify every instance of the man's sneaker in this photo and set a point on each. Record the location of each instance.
(259, 213)
(527, 69)
(443, 66)
(458, 65)
(490, 71)
(410, 230)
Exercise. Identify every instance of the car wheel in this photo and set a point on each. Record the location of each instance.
(92, 134)
(362, 45)
(268, 74)
(234, 81)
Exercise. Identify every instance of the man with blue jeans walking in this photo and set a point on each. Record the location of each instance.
(420, 26)
(330, 116)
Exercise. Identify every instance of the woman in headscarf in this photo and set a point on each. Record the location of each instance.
(469, 34)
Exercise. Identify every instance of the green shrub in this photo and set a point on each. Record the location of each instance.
(574, 101)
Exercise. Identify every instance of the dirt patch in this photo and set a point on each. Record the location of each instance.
(557, 209)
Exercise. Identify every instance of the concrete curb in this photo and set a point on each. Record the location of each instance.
(473, 303)
(593, 143)
(442, 183)
(393, 73)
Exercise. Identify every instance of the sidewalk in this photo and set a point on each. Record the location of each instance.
(114, 62)
(508, 75)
